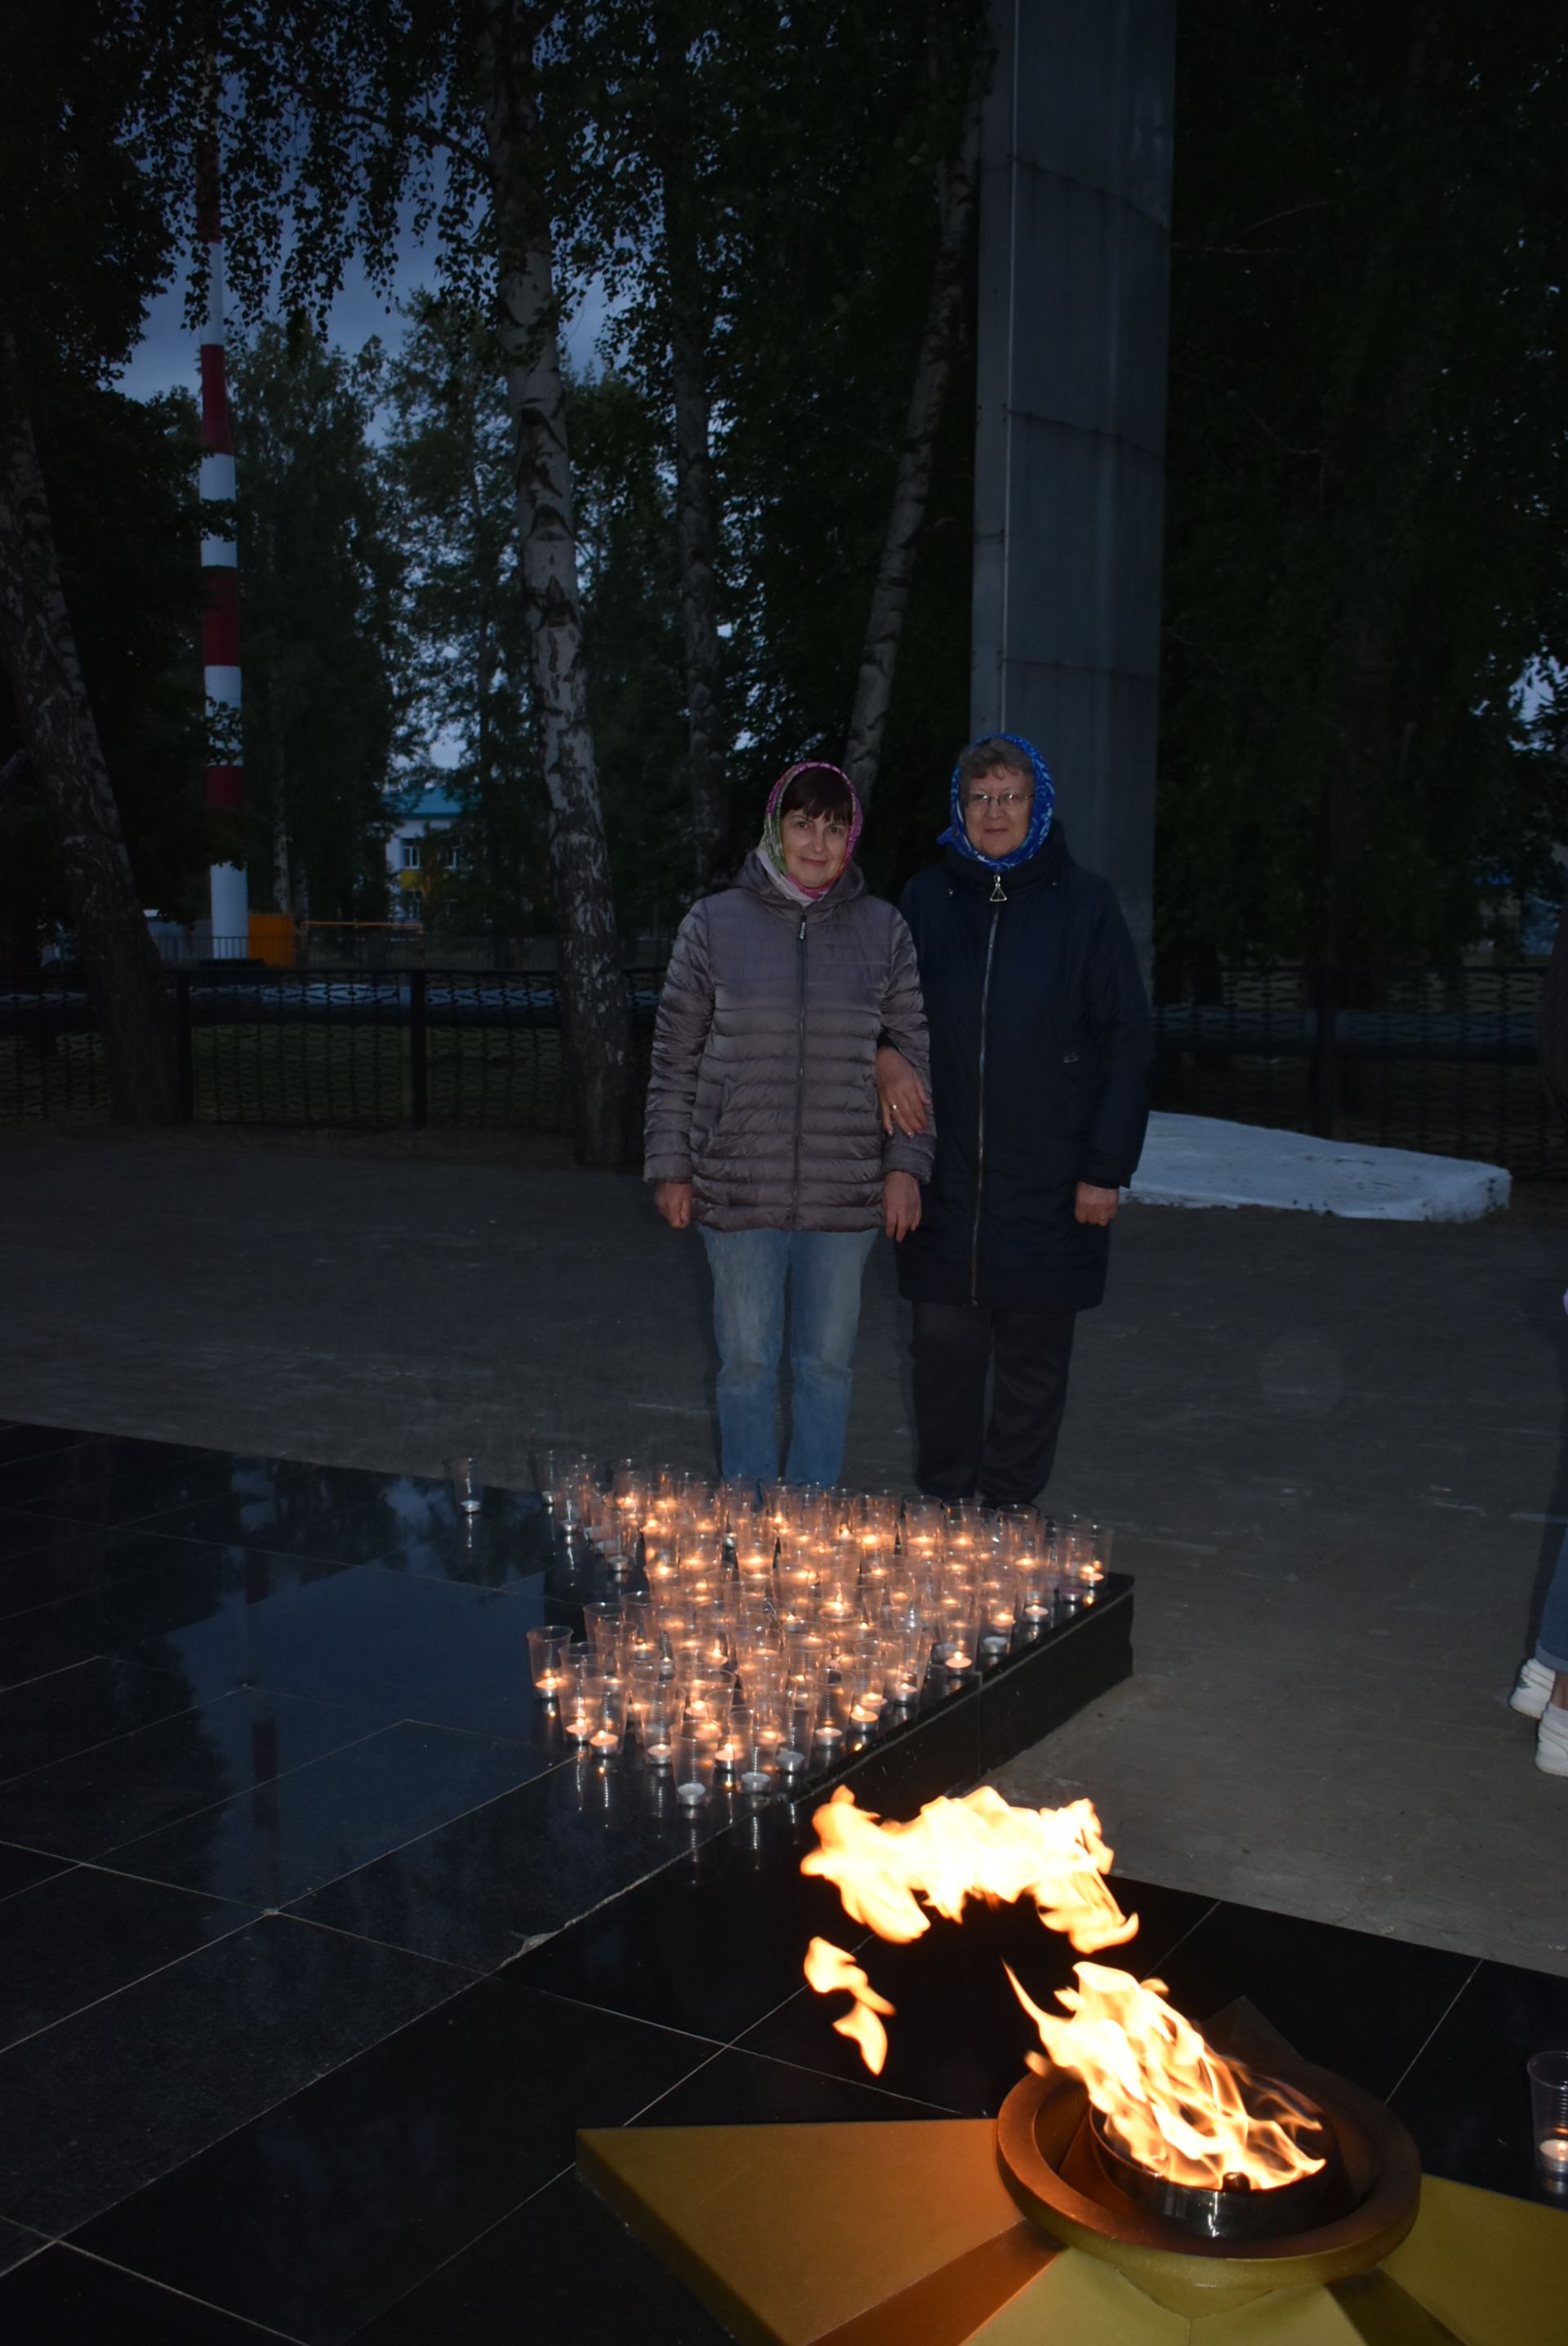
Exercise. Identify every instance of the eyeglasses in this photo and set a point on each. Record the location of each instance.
(984, 799)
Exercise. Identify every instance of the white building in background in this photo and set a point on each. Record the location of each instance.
(418, 846)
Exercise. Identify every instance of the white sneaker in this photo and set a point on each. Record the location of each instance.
(1551, 1742)
(1531, 1689)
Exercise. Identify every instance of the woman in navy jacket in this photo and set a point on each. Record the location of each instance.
(1039, 1056)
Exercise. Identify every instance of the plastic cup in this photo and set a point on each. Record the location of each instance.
(1548, 2073)
(467, 1489)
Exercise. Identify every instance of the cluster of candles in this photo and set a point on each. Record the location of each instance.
(755, 1634)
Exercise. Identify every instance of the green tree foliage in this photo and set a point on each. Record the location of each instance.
(831, 230)
(626, 544)
(448, 464)
(320, 583)
(448, 469)
(122, 491)
(1367, 505)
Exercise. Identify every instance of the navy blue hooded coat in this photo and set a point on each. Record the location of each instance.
(1040, 1062)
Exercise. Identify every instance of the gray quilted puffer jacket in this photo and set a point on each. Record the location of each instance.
(763, 1093)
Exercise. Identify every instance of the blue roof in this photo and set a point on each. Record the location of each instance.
(436, 803)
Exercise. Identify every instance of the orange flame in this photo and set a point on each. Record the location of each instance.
(978, 1847)
(828, 1968)
(1172, 2102)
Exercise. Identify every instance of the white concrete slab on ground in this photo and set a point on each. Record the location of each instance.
(1202, 1160)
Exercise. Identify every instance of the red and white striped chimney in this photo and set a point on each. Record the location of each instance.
(219, 558)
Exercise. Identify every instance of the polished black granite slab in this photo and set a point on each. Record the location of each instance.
(120, 1790)
(87, 1934)
(81, 1706)
(236, 1686)
(131, 2086)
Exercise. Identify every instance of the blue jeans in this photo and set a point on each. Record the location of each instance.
(750, 1271)
(1551, 1637)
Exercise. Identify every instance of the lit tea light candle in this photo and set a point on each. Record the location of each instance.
(1552, 2151)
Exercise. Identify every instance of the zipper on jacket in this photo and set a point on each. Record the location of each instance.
(997, 899)
(800, 1067)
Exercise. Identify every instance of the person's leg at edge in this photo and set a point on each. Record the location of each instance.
(749, 1268)
(825, 1272)
(1552, 1654)
(952, 1349)
(1034, 1351)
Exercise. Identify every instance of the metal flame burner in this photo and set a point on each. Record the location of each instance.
(1238, 2210)
(1196, 2250)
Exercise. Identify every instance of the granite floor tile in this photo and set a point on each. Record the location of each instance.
(104, 2102)
(154, 1618)
(562, 2271)
(86, 1934)
(22, 1869)
(1343, 1999)
(378, 1639)
(507, 1543)
(36, 1441)
(713, 1942)
(23, 1532)
(112, 1481)
(478, 1890)
(142, 1782)
(746, 2089)
(297, 1832)
(17, 2244)
(1466, 2096)
(325, 2211)
(78, 1708)
(83, 1558)
(318, 1512)
(63, 2297)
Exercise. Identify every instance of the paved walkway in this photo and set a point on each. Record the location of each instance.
(1332, 1449)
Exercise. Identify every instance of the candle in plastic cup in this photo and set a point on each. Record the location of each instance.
(467, 1489)
(1548, 2073)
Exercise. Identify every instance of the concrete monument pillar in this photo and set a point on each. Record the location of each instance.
(1075, 274)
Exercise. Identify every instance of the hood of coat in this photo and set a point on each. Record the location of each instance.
(956, 835)
(758, 875)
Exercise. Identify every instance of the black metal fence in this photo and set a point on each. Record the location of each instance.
(1402, 1059)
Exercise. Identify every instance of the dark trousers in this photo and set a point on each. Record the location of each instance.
(954, 1345)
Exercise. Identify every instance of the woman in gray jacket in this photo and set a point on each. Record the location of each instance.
(762, 1119)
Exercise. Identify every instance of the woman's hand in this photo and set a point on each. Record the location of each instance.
(1094, 1205)
(900, 1204)
(673, 1200)
(904, 1101)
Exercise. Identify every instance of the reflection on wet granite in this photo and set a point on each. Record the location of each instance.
(72, 1709)
(146, 1618)
(98, 1800)
(127, 2089)
(1466, 2098)
(87, 1934)
(316, 2217)
(475, 1891)
(111, 1481)
(399, 1644)
(291, 1834)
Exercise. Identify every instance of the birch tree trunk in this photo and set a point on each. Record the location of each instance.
(595, 1009)
(39, 651)
(912, 487)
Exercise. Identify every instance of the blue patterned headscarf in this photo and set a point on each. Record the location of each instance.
(1039, 829)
